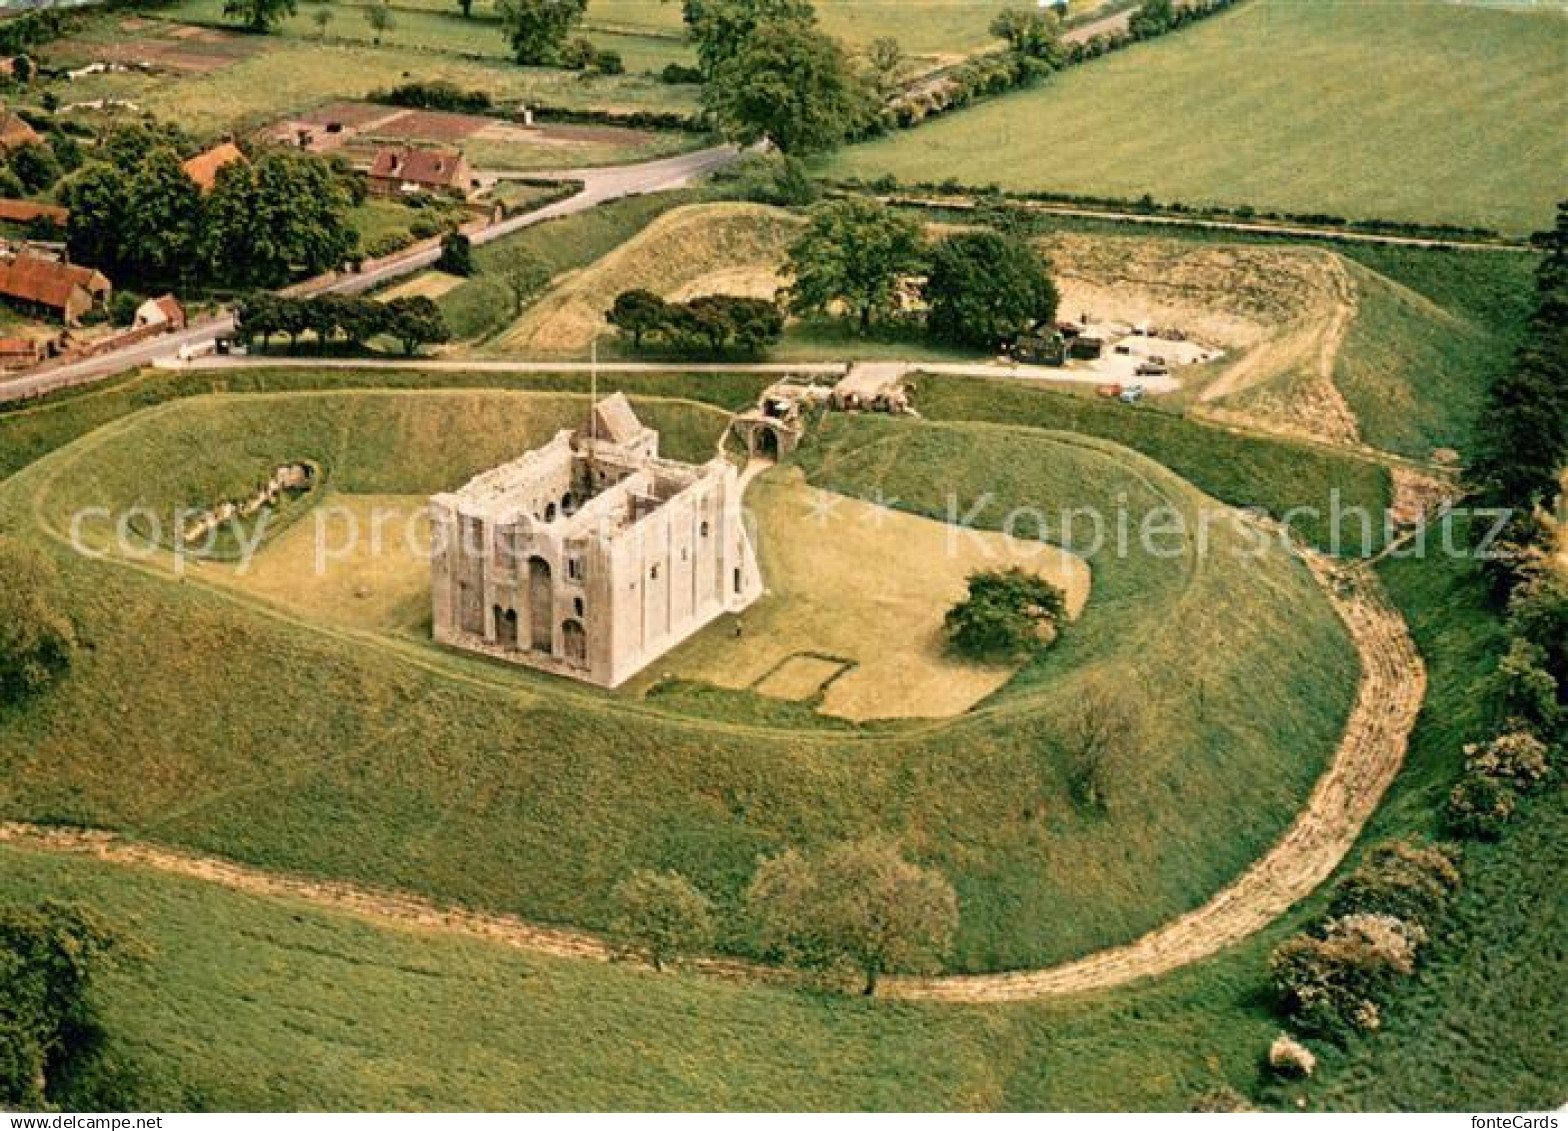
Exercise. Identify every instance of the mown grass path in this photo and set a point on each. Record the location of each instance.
(1392, 685)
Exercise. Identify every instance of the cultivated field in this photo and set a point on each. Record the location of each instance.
(852, 619)
(264, 79)
(1407, 110)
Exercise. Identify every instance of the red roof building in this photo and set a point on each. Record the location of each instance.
(62, 289)
(203, 168)
(403, 170)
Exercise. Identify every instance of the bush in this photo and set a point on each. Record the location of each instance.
(1330, 984)
(1516, 757)
(678, 74)
(1290, 1058)
(1480, 806)
(578, 53)
(434, 95)
(457, 255)
(769, 178)
(122, 307)
(1008, 615)
(609, 62)
(1409, 881)
(424, 227)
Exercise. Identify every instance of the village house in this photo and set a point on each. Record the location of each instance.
(62, 290)
(590, 556)
(203, 168)
(165, 311)
(403, 170)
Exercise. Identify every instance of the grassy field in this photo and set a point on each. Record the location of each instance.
(872, 648)
(288, 74)
(1406, 110)
(558, 796)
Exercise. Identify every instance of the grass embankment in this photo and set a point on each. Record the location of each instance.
(721, 247)
(1243, 667)
(510, 270)
(1414, 111)
(1280, 476)
(248, 1003)
(1432, 329)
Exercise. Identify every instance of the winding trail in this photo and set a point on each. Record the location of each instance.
(1393, 682)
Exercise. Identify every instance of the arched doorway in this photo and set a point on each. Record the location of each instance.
(541, 605)
(575, 641)
(506, 627)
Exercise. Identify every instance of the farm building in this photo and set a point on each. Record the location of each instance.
(19, 353)
(59, 289)
(590, 556)
(403, 170)
(203, 168)
(15, 133)
(165, 311)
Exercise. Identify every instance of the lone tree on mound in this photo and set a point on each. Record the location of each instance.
(852, 253)
(662, 915)
(36, 637)
(49, 956)
(984, 289)
(537, 28)
(858, 906)
(1008, 615)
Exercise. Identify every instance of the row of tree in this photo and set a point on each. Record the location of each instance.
(142, 220)
(715, 322)
(982, 288)
(413, 321)
(858, 907)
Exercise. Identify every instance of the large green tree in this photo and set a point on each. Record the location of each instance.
(1029, 32)
(791, 85)
(537, 28)
(161, 238)
(662, 915)
(852, 253)
(284, 215)
(259, 15)
(985, 289)
(1007, 616)
(858, 906)
(49, 956)
(97, 196)
(719, 28)
(36, 635)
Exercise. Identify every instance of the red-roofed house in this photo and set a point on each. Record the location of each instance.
(61, 289)
(165, 311)
(401, 171)
(203, 168)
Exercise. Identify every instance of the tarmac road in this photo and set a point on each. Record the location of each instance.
(599, 186)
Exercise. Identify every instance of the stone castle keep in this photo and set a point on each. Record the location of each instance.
(592, 555)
